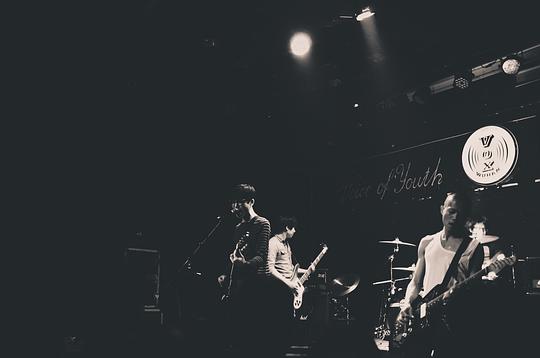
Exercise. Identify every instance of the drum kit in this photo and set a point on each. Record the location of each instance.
(390, 291)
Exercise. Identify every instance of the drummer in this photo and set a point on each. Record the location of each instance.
(491, 245)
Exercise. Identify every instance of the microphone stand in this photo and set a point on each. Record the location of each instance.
(187, 264)
(513, 269)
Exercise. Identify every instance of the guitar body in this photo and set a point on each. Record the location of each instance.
(233, 281)
(297, 297)
(429, 311)
(420, 329)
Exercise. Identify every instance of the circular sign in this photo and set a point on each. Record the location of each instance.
(489, 155)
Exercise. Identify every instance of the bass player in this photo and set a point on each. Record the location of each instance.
(284, 285)
(435, 255)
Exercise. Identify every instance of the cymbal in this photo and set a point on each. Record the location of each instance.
(487, 238)
(410, 268)
(396, 241)
(344, 284)
(389, 281)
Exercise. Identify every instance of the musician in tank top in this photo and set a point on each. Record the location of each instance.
(435, 254)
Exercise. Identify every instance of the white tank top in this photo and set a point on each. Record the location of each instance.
(435, 253)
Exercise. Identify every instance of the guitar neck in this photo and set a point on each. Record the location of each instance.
(439, 299)
(502, 263)
(311, 267)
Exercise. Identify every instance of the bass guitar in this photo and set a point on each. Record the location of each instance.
(428, 311)
(297, 296)
(238, 252)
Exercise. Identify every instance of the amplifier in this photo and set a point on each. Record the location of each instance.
(526, 275)
(143, 270)
(152, 316)
(532, 275)
(317, 280)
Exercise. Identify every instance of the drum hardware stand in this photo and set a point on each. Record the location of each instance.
(347, 312)
(383, 329)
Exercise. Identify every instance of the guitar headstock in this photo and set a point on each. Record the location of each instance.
(324, 248)
(242, 242)
(501, 263)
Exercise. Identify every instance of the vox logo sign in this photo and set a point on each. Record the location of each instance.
(490, 155)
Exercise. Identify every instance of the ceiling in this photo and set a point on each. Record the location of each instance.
(213, 81)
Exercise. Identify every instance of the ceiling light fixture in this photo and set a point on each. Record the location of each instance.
(366, 13)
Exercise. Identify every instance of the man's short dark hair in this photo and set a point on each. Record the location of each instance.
(243, 192)
(286, 222)
(477, 220)
(464, 198)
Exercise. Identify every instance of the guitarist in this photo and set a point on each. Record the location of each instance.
(435, 254)
(280, 265)
(249, 300)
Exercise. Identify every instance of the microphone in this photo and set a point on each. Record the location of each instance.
(232, 211)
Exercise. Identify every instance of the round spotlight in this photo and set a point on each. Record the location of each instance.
(300, 44)
(510, 65)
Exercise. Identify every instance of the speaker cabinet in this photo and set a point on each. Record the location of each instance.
(143, 272)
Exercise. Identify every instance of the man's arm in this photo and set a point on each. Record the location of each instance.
(260, 240)
(414, 287)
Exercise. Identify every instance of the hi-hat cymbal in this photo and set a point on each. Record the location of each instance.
(396, 241)
(487, 238)
(344, 284)
(390, 281)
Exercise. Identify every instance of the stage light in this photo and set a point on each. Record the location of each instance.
(300, 44)
(510, 65)
(366, 12)
(463, 80)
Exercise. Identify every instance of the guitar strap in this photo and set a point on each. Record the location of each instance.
(451, 269)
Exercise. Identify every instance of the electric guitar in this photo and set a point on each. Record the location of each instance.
(297, 296)
(429, 310)
(238, 252)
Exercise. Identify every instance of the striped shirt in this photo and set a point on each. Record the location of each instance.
(256, 251)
